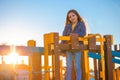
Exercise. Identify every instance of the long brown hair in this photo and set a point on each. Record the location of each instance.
(80, 19)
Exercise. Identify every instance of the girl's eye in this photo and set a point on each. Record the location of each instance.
(73, 15)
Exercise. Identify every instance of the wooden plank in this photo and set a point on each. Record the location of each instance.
(108, 57)
(46, 53)
(92, 43)
(56, 54)
(74, 41)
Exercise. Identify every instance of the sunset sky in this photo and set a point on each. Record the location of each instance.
(21, 20)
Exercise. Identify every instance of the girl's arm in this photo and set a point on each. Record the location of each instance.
(81, 30)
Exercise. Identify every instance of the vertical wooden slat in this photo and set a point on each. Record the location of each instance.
(56, 54)
(95, 69)
(115, 47)
(31, 43)
(46, 52)
(74, 41)
(114, 74)
(118, 73)
(92, 47)
(92, 43)
(36, 66)
(87, 73)
(108, 57)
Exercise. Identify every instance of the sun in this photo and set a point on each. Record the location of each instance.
(14, 58)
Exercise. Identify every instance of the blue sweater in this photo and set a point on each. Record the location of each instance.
(79, 29)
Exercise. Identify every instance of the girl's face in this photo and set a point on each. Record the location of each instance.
(73, 17)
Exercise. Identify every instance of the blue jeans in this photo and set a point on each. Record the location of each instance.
(77, 60)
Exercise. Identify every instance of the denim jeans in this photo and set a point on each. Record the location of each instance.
(77, 61)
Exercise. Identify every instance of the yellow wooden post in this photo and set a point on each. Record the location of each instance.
(61, 76)
(114, 74)
(118, 73)
(53, 58)
(55, 41)
(30, 43)
(36, 66)
(87, 73)
(46, 42)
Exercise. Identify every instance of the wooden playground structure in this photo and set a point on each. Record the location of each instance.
(96, 47)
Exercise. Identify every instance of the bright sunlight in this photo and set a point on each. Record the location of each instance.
(14, 58)
(11, 58)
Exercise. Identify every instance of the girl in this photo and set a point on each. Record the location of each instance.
(74, 24)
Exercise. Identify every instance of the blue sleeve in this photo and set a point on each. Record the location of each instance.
(64, 34)
(64, 31)
(82, 30)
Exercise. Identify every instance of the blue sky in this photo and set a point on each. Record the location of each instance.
(22, 20)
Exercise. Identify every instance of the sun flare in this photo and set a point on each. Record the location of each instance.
(14, 58)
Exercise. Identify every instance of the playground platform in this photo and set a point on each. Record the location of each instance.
(95, 47)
